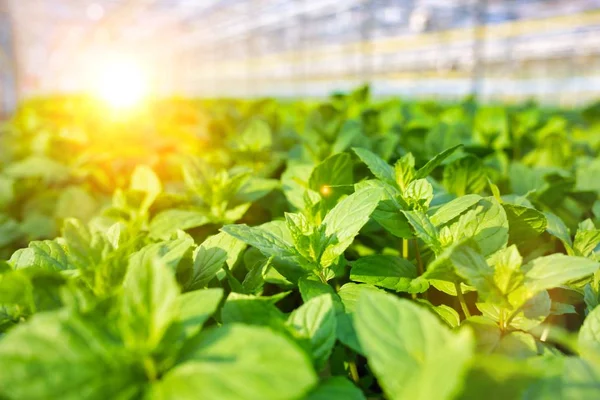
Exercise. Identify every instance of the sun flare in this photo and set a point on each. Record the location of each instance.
(121, 84)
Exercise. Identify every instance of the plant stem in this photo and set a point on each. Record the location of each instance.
(353, 371)
(418, 257)
(405, 248)
(510, 318)
(321, 275)
(150, 369)
(420, 268)
(461, 299)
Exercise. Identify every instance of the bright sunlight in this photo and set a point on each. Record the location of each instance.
(121, 84)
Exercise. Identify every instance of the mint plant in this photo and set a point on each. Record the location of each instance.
(342, 248)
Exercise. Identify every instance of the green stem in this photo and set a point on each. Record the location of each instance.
(353, 371)
(419, 265)
(405, 248)
(321, 275)
(150, 369)
(510, 317)
(418, 258)
(461, 299)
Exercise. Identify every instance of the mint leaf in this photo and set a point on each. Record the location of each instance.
(589, 336)
(62, 355)
(464, 176)
(388, 272)
(424, 229)
(346, 332)
(418, 348)
(419, 194)
(47, 254)
(145, 180)
(345, 220)
(524, 223)
(473, 267)
(241, 362)
(555, 270)
(333, 177)
(454, 208)
(149, 298)
(336, 388)
(211, 256)
(195, 308)
(378, 167)
(252, 310)
(316, 321)
(435, 162)
(166, 223)
(388, 213)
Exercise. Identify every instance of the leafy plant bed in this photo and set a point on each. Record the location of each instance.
(347, 249)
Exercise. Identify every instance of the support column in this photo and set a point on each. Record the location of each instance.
(8, 73)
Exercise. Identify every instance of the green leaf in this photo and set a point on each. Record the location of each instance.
(565, 378)
(171, 253)
(454, 208)
(253, 190)
(252, 310)
(238, 362)
(76, 202)
(349, 294)
(166, 223)
(557, 227)
(441, 270)
(404, 171)
(254, 281)
(409, 349)
(145, 180)
(149, 297)
(47, 254)
(589, 336)
(531, 314)
(388, 272)
(473, 267)
(378, 167)
(345, 220)
(310, 289)
(507, 269)
(435, 162)
(273, 239)
(59, 355)
(38, 167)
(211, 256)
(316, 321)
(517, 345)
(487, 225)
(255, 137)
(586, 241)
(524, 223)
(336, 388)
(333, 177)
(446, 314)
(7, 192)
(419, 194)
(10, 230)
(195, 308)
(388, 213)
(295, 187)
(464, 176)
(554, 270)
(423, 228)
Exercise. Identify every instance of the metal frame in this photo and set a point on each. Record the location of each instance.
(309, 47)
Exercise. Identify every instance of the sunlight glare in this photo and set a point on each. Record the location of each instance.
(121, 84)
